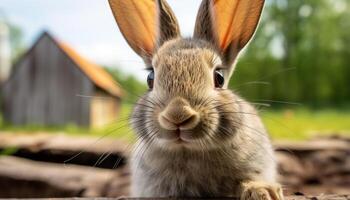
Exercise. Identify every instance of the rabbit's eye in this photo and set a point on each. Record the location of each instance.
(150, 79)
(219, 79)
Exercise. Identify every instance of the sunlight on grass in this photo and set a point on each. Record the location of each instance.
(302, 124)
(117, 129)
(299, 124)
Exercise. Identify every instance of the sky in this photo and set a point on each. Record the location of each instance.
(88, 26)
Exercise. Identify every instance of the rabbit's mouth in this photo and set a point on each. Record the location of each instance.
(192, 138)
(180, 137)
(176, 136)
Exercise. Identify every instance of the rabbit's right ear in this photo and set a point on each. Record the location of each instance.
(228, 24)
(145, 24)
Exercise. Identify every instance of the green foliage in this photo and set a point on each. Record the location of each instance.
(302, 50)
(133, 88)
(15, 38)
(301, 124)
(16, 41)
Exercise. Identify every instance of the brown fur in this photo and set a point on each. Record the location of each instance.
(196, 140)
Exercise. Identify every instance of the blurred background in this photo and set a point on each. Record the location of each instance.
(68, 81)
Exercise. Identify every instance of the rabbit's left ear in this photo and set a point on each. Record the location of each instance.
(145, 24)
(229, 24)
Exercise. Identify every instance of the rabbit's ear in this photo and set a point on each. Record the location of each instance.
(229, 24)
(145, 24)
(168, 27)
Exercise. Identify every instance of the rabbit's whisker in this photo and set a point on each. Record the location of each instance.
(252, 83)
(88, 146)
(280, 102)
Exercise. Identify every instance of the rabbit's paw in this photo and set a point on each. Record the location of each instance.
(261, 191)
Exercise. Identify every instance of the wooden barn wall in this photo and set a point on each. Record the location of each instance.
(104, 109)
(45, 89)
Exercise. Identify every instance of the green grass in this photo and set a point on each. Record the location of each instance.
(302, 124)
(299, 124)
(119, 129)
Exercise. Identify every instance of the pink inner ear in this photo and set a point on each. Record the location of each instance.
(137, 22)
(223, 17)
(235, 21)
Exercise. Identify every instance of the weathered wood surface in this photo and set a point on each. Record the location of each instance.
(59, 148)
(23, 178)
(323, 144)
(318, 166)
(60, 141)
(306, 169)
(321, 197)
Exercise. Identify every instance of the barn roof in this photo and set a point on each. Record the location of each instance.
(100, 77)
(94, 72)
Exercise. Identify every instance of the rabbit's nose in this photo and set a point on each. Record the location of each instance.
(178, 115)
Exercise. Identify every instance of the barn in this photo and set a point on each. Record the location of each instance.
(53, 85)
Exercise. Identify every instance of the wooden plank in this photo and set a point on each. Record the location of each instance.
(23, 178)
(301, 197)
(41, 81)
(320, 197)
(316, 171)
(315, 145)
(58, 148)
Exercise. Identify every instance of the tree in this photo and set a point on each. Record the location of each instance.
(301, 49)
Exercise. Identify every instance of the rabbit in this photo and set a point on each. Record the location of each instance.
(195, 137)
